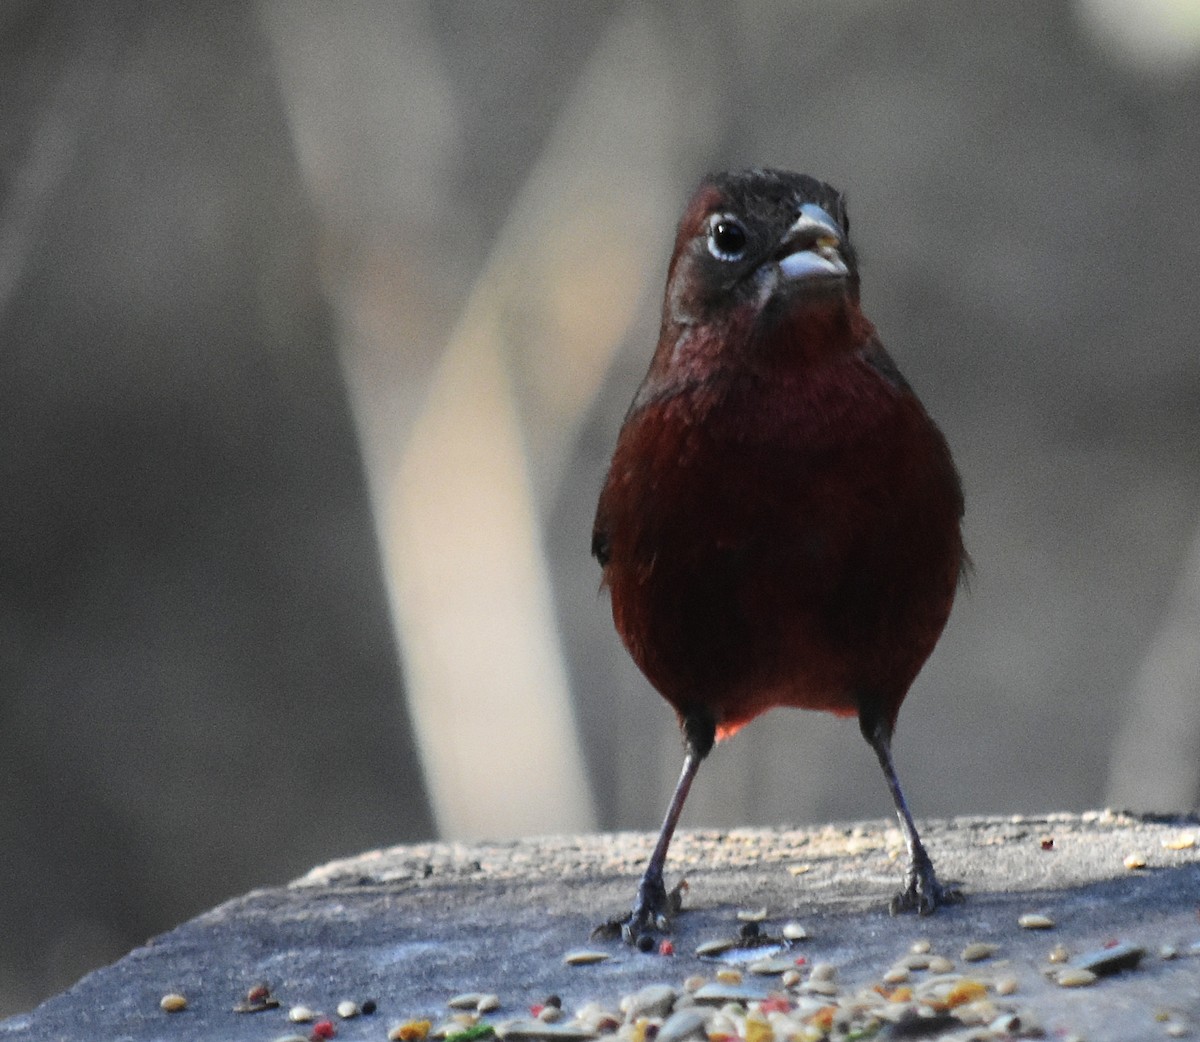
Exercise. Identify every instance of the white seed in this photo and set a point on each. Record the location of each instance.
(1184, 841)
(1034, 921)
(940, 964)
(1135, 860)
(550, 1014)
(794, 931)
(173, 1003)
(1168, 951)
(347, 1009)
(977, 951)
(752, 915)
(487, 1003)
(921, 947)
(1006, 985)
(823, 971)
(1176, 1030)
(915, 962)
(1075, 978)
(768, 967)
(1058, 954)
(584, 958)
(896, 975)
(683, 1024)
(822, 987)
(301, 1015)
(654, 1000)
(791, 978)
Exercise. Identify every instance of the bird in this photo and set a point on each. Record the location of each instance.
(781, 520)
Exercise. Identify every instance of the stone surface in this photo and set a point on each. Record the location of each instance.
(412, 927)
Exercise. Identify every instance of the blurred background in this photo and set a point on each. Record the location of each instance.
(317, 325)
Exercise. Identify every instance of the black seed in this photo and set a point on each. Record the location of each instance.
(645, 942)
(369, 1007)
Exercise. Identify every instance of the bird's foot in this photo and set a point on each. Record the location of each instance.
(652, 913)
(922, 892)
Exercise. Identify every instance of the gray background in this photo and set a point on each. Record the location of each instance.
(200, 690)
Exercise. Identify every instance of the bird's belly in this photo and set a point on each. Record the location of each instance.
(748, 601)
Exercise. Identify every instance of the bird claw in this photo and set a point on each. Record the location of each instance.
(923, 893)
(652, 913)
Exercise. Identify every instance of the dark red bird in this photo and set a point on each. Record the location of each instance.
(780, 524)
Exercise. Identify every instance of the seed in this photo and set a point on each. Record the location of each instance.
(369, 1007)
(752, 915)
(685, 1023)
(965, 991)
(583, 957)
(1006, 985)
(550, 1014)
(729, 976)
(1072, 977)
(791, 978)
(488, 1003)
(823, 971)
(347, 1009)
(770, 967)
(921, 947)
(794, 931)
(896, 975)
(323, 1029)
(940, 964)
(799, 870)
(410, 1031)
(1168, 951)
(1058, 954)
(1107, 961)
(654, 1000)
(822, 987)
(1176, 1030)
(1135, 860)
(1184, 841)
(301, 1015)
(977, 951)
(1034, 921)
(468, 1000)
(173, 1002)
(916, 962)
(693, 983)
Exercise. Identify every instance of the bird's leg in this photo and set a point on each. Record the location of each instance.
(654, 906)
(922, 892)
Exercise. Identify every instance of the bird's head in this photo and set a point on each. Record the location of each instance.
(758, 252)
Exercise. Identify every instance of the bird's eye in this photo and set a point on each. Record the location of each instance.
(726, 238)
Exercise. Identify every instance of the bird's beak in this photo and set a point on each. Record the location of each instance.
(812, 247)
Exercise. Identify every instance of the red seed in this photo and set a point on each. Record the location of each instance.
(323, 1029)
(775, 1004)
(666, 948)
(1048, 843)
(536, 1009)
(801, 960)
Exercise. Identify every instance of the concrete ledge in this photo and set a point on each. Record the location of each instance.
(412, 926)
